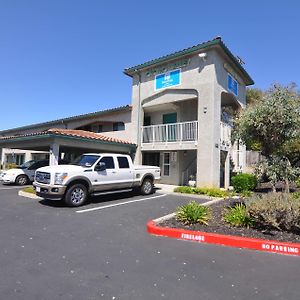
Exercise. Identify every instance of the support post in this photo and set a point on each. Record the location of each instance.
(54, 154)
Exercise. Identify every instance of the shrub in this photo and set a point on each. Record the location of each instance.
(237, 216)
(278, 211)
(10, 166)
(297, 181)
(211, 192)
(296, 195)
(244, 182)
(184, 189)
(193, 213)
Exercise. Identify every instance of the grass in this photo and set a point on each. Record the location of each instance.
(29, 189)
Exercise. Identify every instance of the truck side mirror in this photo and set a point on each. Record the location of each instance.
(100, 167)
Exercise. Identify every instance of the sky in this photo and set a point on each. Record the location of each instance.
(61, 58)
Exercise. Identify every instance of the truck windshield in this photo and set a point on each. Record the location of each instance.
(85, 160)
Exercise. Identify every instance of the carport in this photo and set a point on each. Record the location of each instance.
(58, 141)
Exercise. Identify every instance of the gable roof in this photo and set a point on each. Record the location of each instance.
(68, 119)
(58, 132)
(192, 50)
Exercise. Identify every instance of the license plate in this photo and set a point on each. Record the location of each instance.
(38, 189)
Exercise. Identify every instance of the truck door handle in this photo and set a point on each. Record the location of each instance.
(114, 172)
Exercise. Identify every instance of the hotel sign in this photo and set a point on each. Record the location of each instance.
(168, 79)
(176, 65)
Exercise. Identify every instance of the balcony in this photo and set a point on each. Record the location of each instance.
(184, 132)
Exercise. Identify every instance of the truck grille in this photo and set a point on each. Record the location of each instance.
(42, 177)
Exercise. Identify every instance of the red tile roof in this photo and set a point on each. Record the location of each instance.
(72, 133)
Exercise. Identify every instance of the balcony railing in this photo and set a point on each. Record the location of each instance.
(168, 133)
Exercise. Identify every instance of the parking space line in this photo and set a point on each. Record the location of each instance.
(12, 188)
(118, 204)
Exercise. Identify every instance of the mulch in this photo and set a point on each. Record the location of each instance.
(217, 225)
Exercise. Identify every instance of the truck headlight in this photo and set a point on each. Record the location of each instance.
(60, 177)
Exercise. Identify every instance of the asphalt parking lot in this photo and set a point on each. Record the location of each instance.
(49, 251)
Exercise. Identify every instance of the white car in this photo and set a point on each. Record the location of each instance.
(94, 174)
(24, 174)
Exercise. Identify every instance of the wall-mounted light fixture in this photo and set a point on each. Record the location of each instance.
(203, 56)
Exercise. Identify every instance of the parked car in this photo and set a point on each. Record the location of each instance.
(94, 174)
(24, 174)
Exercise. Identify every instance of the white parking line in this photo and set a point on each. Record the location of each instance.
(14, 187)
(118, 204)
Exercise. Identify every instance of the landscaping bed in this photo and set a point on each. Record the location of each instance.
(216, 224)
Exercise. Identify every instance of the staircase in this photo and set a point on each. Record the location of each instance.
(190, 170)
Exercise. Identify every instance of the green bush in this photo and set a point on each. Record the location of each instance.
(278, 211)
(184, 190)
(211, 192)
(237, 216)
(10, 166)
(297, 181)
(296, 195)
(244, 182)
(193, 213)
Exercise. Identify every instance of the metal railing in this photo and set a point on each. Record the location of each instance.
(174, 132)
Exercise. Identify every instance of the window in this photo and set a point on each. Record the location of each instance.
(109, 162)
(118, 126)
(123, 162)
(147, 121)
(166, 164)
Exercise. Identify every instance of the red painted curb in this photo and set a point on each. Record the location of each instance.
(226, 240)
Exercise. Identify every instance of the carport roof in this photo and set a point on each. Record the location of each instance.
(68, 133)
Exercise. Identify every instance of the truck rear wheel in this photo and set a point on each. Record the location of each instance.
(76, 195)
(147, 186)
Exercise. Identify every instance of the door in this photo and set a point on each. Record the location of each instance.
(171, 130)
(105, 180)
(124, 173)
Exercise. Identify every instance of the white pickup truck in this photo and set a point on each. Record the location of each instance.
(94, 174)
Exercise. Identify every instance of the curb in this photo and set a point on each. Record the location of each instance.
(29, 195)
(225, 240)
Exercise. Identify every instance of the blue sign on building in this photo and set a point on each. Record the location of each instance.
(167, 79)
(232, 85)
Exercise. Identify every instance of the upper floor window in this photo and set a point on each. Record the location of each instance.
(118, 126)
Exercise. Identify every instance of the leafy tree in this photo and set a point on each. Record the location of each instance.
(277, 168)
(254, 96)
(271, 123)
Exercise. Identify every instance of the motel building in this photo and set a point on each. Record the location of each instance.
(180, 119)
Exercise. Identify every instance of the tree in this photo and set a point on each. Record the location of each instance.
(254, 96)
(272, 125)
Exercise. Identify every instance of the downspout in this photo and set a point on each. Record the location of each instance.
(139, 114)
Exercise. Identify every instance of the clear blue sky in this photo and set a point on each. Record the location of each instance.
(61, 58)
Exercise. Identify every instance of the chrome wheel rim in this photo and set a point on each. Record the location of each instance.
(22, 180)
(77, 195)
(147, 187)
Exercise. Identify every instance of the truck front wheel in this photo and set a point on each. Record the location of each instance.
(76, 195)
(147, 187)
